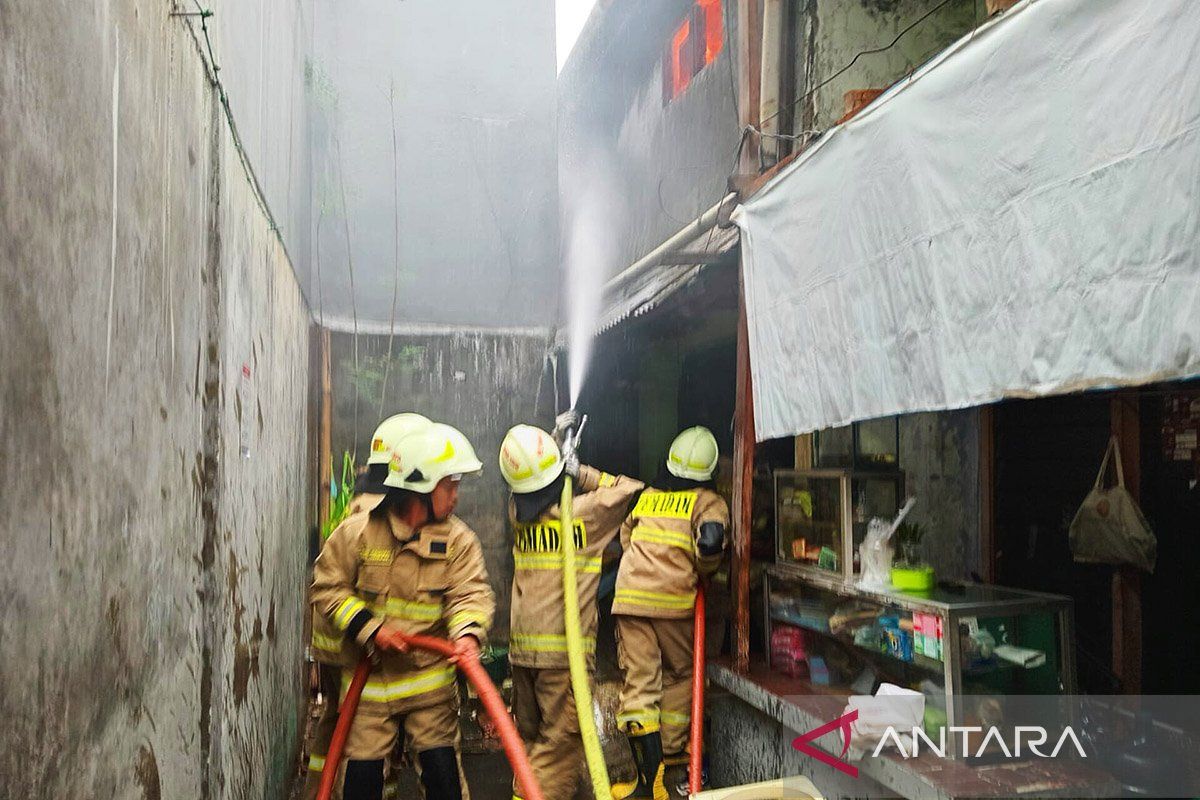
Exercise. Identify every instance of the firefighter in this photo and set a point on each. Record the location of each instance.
(543, 703)
(328, 645)
(408, 566)
(675, 535)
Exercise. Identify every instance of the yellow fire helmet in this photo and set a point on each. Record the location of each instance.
(693, 454)
(424, 457)
(391, 431)
(529, 459)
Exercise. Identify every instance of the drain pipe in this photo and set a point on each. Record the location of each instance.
(717, 216)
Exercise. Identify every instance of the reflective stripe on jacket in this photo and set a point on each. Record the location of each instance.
(328, 644)
(537, 636)
(660, 564)
(430, 582)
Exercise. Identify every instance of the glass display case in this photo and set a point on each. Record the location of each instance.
(959, 643)
(872, 445)
(821, 515)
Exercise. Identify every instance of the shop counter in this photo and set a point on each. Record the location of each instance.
(800, 706)
(954, 641)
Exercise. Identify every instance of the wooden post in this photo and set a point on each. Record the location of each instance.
(743, 483)
(987, 494)
(1127, 581)
(804, 451)
(749, 63)
(325, 434)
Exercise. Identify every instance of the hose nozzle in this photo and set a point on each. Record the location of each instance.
(571, 442)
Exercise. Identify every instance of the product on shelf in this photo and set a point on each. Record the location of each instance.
(788, 652)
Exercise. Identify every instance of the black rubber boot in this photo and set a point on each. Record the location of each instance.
(364, 780)
(439, 774)
(647, 754)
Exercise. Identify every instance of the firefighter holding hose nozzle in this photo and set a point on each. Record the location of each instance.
(408, 566)
(675, 535)
(543, 701)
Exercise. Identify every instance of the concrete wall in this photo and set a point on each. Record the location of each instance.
(153, 583)
(482, 383)
(756, 747)
(663, 164)
(939, 453)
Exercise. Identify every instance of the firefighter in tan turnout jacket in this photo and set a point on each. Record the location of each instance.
(543, 703)
(674, 535)
(408, 566)
(329, 647)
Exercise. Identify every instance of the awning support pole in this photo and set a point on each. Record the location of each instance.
(743, 483)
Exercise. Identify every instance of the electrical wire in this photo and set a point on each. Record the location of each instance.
(317, 263)
(854, 61)
(806, 137)
(337, 143)
(214, 69)
(387, 365)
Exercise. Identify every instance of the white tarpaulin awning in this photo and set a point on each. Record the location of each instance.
(1021, 217)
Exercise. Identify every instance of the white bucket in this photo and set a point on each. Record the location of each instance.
(797, 788)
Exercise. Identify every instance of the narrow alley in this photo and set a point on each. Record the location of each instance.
(574, 399)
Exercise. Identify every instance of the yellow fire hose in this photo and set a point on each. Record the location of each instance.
(579, 675)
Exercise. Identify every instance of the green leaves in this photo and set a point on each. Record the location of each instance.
(341, 495)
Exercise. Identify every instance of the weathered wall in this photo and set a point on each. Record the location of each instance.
(939, 453)
(143, 551)
(265, 52)
(830, 33)
(760, 749)
(665, 164)
(481, 383)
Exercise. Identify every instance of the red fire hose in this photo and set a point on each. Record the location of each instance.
(342, 730)
(477, 675)
(696, 746)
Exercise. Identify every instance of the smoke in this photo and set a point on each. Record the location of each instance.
(589, 203)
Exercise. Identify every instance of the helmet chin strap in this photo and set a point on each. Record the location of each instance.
(427, 500)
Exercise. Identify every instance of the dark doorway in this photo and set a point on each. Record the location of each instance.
(1171, 503)
(1047, 453)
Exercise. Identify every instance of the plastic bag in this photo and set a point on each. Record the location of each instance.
(875, 555)
(1109, 528)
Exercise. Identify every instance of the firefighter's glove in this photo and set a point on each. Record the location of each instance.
(563, 423)
(466, 648)
(571, 465)
(387, 638)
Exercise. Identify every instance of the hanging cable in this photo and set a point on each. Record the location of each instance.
(387, 365)
(214, 79)
(806, 137)
(337, 142)
(854, 61)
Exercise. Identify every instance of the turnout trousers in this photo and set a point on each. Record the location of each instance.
(544, 709)
(656, 694)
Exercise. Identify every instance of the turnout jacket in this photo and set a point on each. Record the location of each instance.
(661, 563)
(432, 581)
(537, 638)
(328, 643)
